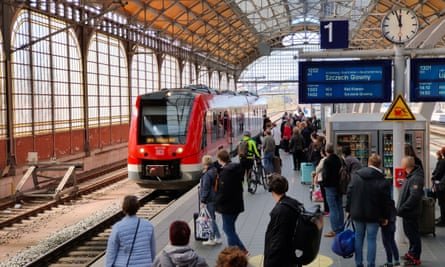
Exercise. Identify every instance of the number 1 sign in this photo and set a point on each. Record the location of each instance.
(334, 34)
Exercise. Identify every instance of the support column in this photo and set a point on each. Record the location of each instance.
(398, 127)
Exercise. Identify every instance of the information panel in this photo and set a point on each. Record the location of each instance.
(364, 81)
(427, 80)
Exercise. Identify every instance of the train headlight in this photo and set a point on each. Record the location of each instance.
(142, 150)
(179, 150)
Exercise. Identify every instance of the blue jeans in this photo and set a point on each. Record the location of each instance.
(211, 209)
(268, 162)
(371, 230)
(229, 228)
(336, 214)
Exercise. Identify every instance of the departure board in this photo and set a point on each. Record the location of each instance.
(364, 81)
(427, 80)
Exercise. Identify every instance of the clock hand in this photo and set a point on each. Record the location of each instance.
(399, 18)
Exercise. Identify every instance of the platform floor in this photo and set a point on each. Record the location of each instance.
(252, 223)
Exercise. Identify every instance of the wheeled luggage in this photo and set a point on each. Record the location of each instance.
(277, 164)
(427, 219)
(306, 172)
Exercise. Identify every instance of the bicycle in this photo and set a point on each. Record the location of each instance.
(257, 176)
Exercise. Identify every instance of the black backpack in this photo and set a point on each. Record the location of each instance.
(307, 234)
(345, 178)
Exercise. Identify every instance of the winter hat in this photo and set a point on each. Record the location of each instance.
(179, 233)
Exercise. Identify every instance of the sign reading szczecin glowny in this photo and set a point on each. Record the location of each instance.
(427, 80)
(355, 81)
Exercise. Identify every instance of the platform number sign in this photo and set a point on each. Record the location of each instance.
(334, 34)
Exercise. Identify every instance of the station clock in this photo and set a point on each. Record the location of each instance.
(400, 25)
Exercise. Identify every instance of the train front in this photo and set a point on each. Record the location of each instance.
(162, 152)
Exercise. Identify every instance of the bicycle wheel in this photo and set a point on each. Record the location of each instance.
(251, 182)
(264, 178)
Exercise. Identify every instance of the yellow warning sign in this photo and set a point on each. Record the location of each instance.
(399, 111)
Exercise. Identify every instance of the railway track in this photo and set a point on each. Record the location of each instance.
(86, 248)
(13, 212)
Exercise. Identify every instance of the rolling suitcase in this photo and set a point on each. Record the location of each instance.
(427, 219)
(277, 164)
(306, 172)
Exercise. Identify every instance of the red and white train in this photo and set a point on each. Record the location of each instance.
(172, 129)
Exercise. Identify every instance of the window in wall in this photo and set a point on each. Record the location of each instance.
(231, 84)
(47, 76)
(224, 85)
(214, 83)
(170, 76)
(107, 82)
(188, 74)
(144, 73)
(203, 76)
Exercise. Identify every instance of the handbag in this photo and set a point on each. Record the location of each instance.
(344, 242)
(203, 225)
(317, 196)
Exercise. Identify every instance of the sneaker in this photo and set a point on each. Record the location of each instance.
(388, 264)
(440, 224)
(396, 263)
(218, 241)
(411, 262)
(407, 257)
(210, 242)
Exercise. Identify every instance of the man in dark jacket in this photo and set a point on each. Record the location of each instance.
(368, 203)
(229, 197)
(331, 178)
(438, 179)
(278, 250)
(409, 208)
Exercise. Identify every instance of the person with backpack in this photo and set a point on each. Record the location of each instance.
(207, 197)
(179, 253)
(368, 204)
(331, 178)
(247, 152)
(296, 147)
(278, 247)
(351, 162)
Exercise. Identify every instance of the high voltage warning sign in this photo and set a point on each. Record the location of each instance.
(399, 111)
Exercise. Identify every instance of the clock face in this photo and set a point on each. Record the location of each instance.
(400, 25)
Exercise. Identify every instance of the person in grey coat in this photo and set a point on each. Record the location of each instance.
(132, 240)
(178, 253)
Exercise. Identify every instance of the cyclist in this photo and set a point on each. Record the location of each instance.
(247, 152)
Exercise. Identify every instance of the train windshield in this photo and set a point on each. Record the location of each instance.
(166, 121)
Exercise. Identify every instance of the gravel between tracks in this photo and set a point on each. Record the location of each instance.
(23, 243)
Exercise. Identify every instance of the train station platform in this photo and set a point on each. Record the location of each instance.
(251, 226)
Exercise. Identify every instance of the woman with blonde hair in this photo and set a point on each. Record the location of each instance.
(207, 196)
(231, 257)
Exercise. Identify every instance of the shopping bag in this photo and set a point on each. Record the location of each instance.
(203, 225)
(344, 242)
(317, 196)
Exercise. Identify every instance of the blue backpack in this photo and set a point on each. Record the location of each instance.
(344, 242)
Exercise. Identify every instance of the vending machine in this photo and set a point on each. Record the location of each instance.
(367, 133)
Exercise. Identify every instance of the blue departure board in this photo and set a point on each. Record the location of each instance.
(427, 80)
(358, 81)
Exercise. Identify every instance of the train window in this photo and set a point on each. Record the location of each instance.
(166, 121)
(204, 133)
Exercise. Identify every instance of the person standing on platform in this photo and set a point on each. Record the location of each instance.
(132, 240)
(278, 246)
(352, 163)
(247, 152)
(178, 253)
(231, 257)
(229, 197)
(269, 151)
(409, 208)
(318, 179)
(207, 197)
(296, 146)
(277, 137)
(331, 178)
(287, 134)
(389, 240)
(410, 152)
(438, 179)
(368, 203)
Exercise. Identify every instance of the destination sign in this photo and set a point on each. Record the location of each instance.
(345, 81)
(427, 80)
